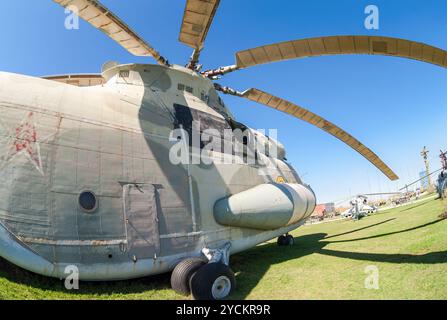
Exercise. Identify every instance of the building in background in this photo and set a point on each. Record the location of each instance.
(323, 210)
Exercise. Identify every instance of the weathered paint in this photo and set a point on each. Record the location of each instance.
(267, 206)
(102, 139)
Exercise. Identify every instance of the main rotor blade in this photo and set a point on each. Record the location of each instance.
(310, 117)
(95, 13)
(197, 20)
(335, 45)
(381, 194)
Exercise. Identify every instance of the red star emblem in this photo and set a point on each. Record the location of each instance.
(24, 141)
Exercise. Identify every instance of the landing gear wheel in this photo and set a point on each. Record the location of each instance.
(213, 281)
(290, 241)
(281, 241)
(182, 274)
(286, 241)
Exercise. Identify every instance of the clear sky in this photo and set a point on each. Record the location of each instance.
(395, 106)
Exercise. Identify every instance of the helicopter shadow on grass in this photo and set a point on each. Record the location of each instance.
(250, 267)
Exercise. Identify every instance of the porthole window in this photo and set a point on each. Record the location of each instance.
(88, 201)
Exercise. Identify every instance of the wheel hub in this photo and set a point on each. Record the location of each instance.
(221, 287)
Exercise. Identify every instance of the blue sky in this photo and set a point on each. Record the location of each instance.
(394, 106)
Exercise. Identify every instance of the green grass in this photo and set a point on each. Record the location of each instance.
(408, 245)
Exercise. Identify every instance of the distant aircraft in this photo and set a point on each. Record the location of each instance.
(361, 208)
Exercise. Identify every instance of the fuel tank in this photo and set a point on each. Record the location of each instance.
(266, 206)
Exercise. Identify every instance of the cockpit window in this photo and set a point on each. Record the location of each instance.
(182, 87)
(204, 97)
(185, 117)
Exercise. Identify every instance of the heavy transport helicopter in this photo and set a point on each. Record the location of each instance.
(86, 176)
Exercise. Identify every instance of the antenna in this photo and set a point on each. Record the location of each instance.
(424, 154)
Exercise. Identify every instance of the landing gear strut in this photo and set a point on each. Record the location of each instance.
(286, 241)
(205, 281)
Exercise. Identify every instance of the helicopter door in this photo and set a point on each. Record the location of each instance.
(141, 220)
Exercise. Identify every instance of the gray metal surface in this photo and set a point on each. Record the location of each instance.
(58, 140)
(266, 206)
(141, 218)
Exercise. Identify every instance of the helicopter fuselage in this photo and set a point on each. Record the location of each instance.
(87, 179)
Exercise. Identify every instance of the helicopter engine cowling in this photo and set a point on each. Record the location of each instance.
(266, 207)
(269, 146)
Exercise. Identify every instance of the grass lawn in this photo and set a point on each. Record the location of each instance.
(407, 245)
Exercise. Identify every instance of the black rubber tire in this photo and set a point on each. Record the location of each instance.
(290, 240)
(202, 281)
(286, 241)
(182, 274)
(281, 241)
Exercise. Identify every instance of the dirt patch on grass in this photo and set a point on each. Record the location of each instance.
(443, 216)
